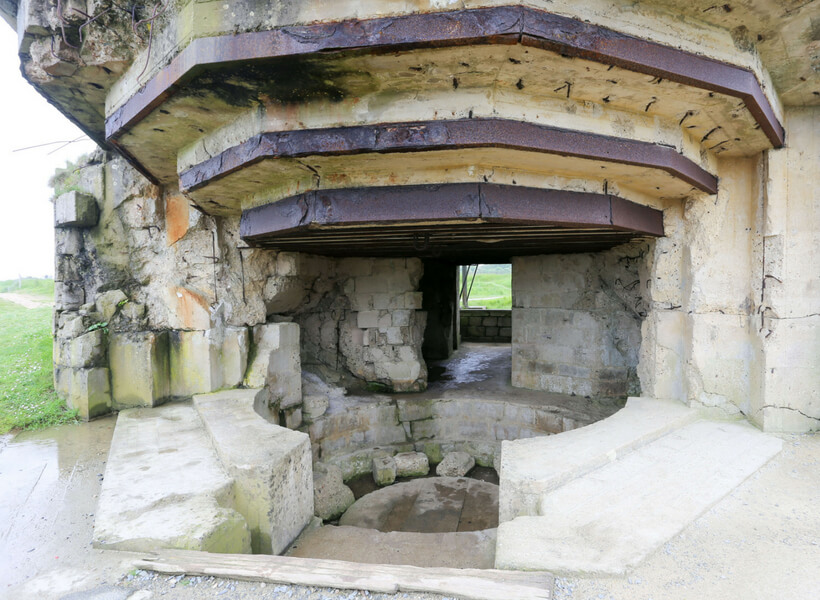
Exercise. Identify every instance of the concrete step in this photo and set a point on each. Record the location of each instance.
(608, 520)
(531, 467)
(164, 487)
(209, 475)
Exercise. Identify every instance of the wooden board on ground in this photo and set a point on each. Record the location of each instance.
(470, 584)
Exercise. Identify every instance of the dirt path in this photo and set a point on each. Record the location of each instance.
(23, 300)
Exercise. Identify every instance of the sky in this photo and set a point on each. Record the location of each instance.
(26, 211)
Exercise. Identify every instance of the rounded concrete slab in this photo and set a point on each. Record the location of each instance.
(430, 505)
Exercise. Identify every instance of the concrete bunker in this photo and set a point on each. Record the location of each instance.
(251, 240)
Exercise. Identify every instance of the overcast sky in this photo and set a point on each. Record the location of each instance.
(26, 119)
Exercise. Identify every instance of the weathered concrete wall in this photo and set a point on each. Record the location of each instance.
(576, 321)
(788, 323)
(720, 262)
(155, 301)
(486, 325)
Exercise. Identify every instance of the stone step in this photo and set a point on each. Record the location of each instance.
(164, 487)
(531, 467)
(608, 520)
(271, 465)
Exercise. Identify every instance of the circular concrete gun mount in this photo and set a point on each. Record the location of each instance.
(428, 522)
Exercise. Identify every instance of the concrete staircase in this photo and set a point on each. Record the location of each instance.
(209, 475)
(598, 500)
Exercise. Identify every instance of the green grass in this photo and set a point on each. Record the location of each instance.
(492, 287)
(27, 397)
(37, 289)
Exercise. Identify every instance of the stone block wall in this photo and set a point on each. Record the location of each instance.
(576, 321)
(485, 325)
(155, 300)
(353, 430)
(361, 316)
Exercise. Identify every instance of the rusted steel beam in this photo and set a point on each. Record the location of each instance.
(498, 25)
(448, 220)
(423, 136)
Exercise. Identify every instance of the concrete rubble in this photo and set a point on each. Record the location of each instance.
(455, 464)
(331, 497)
(411, 464)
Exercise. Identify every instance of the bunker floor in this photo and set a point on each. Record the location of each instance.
(760, 541)
(483, 371)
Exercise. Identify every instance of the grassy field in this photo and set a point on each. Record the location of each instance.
(27, 397)
(492, 287)
(37, 289)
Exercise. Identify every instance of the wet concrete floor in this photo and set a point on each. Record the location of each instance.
(483, 371)
(50, 483)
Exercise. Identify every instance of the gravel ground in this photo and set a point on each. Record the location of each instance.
(145, 585)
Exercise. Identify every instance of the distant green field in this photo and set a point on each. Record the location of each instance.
(492, 287)
(27, 397)
(38, 289)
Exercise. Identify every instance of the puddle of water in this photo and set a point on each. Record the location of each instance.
(51, 480)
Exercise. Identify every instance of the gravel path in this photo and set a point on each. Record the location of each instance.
(23, 300)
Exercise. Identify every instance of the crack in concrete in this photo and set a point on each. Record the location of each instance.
(797, 410)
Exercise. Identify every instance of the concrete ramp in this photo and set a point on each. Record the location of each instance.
(606, 520)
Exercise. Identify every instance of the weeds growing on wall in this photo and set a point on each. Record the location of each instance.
(27, 397)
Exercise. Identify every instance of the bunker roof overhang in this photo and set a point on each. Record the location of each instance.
(476, 222)
(509, 95)
(511, 62)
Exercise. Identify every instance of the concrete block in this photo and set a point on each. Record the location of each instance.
(194, 363)
(384, 470)
(68, 295)
(455, 464)
(140, 368)
(75, 209)
(314, 406)
(367, 318)
(331, 497)
(411, 464)
(164, 487)
(415, 409)
(234, 355)
(401, 318)
(276, 362)
(89, 392)
(108, 303)
(271, 465)
(87, 350)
